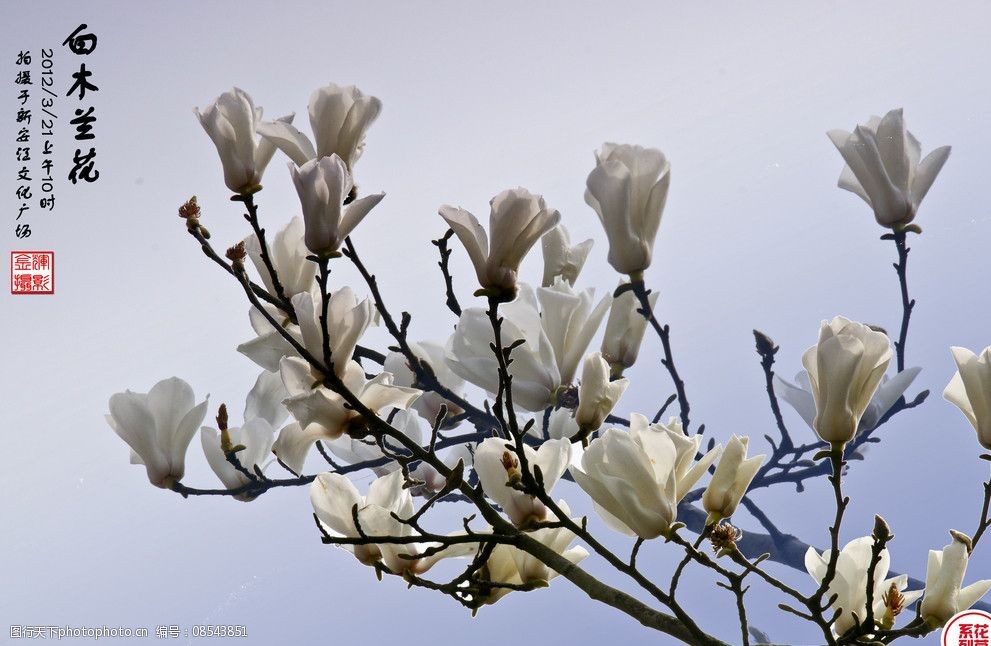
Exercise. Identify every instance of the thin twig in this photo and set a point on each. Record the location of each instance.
(664, 333)
(252, 217)
(445, 255)
(908, 304)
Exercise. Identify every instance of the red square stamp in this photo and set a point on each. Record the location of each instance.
(32, 272)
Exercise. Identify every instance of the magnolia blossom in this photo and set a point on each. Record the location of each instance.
(432, 354)
(625, 328)
(534, 369)
(555, 338)
(232, 121)
(845, 369)
(334, 496)
(799, 396)
(570, 322)
(263, 412)
(428, 479)
(269, 346)
(561, 424)
(560, 258)
(323, 414)
(884, 167)
(347, 320)
(354, 450)
(323, 185)
(628, 189)
(970, 390)
(531, 569)
(732, 478)
(339, 117)
(944, 575)
(288, 254)
(597, 396)
(158, 426)
(508, 565)
(517, 220)
(497, 467)
(850, 583)
(637, 479)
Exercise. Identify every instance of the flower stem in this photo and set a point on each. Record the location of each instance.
(901, 268)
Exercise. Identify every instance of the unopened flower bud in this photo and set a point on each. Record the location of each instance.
(628, 189)
(882, 533)
(225, 436)
(765, 344)
(845, 369)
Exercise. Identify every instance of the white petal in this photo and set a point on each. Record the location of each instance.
(289, 140)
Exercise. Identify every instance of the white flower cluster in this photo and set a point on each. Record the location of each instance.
(635, 472)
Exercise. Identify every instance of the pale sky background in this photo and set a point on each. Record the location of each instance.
(479, 97)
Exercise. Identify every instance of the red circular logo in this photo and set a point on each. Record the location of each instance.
(968, 628)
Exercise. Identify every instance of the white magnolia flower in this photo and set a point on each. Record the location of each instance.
(269, 346)
(354, 450)
(158, 426)
(597, 396)
(500, 569)
(323, 414)
(434, 355)
(845, 368)
(347, 320)
(560, 258)
(232, 122)
(686, 468)
(944, 575)
(323, 184)
(511, 566)
(570, 322)
(339, 117)
(555, 340)
(497, 466)
(517, 220)
(628, 189)
(432, 480)
(334, 497)
(624, 330)
(884, 167)
(561, 424)
(970, 390)
(799, 396)
(263, 412)
(288, 254)
(637, 479)
(732, 478)
(559, 539)
(850, 582)
(534, 369)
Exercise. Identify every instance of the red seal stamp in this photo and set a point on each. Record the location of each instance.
(968, 628)
(32, 272)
